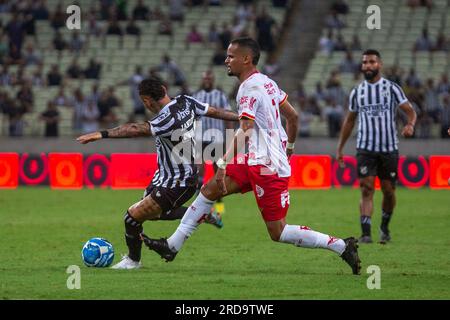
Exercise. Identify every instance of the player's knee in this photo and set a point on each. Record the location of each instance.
(389, 194)
(367, 190)
(275, 234)
(209, 192)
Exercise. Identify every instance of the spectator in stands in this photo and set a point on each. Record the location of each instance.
(356, 44)
(25, 96)
(5, 77)
(305, 117)
(79, 104)
(165, 26)
(423, 3)
(213, 35)
(326, 43)
(95, 93)
(237, 29)
(442, 44)
(15, 112)
(14, 55)
(93, 25)
(176, 10)
(225, 36)
(271, 68)
(445, 116)
(133, 29)
(194, 36)
(173, 71)
(334, 90)
(265, 29)
(3, 47)
(29, 23)
(340, 7)
(16, 32)
(59, 44)
(107, 117)
(133, 82)
(38, 79)
(31, 56)
(219, 56)
(61, 98)
(40, 10)
(412, 80)
(334, 114)
(332, 21)
(51, 118)
(313, 106)
(76, 44)
(393, 74)
(58, 18)
(279, 3)
(431, 100)
(54, 77)
(348, 65)
(74, 70)
(93, 69)
(114, 28)
(141, 11)
(121, 9)
(90, 117)
(340, 44)
(443, 86)
(423, 43)
(319, 92)
(299, 92)
(244, 14)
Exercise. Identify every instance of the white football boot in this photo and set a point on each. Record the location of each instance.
(127, 263)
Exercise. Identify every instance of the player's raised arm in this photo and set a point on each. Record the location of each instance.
(291, 115)
(129, 130)
(220, 113)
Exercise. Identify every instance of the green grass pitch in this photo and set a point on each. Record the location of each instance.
(42, 232)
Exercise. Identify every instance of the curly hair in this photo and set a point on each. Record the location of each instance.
(152, 87)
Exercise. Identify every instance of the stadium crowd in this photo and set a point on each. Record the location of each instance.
(97, 109)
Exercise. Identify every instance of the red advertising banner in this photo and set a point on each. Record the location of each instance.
(66, 170)
(439, 172)
(310, 172)
(9, 170)
(132, 170)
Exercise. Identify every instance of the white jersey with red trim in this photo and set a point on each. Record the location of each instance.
(259, 99)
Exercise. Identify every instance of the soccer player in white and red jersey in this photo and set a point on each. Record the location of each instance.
(265, 170)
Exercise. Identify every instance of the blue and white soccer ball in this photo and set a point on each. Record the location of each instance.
(97, 252)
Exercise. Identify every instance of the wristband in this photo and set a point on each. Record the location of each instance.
(290, 145)
(104, 133)
(221, 164)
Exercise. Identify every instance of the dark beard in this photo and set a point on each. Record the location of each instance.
(371, 74)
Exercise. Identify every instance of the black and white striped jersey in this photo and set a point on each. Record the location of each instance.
(174, 128)
(217, 99)
(376, 105)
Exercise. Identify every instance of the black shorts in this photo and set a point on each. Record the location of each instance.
(383, 165)
(170, 198)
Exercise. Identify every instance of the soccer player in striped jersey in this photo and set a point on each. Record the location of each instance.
(264, 170)
(212, 130)
(375, 102)
(176, 179)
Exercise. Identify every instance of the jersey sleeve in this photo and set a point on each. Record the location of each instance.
(400, 96)
(162, 125)
(200, 108)
(248, 104)
(282, 97)
(352, 101)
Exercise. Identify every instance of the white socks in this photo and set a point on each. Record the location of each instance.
(301, 236)
(196, 213)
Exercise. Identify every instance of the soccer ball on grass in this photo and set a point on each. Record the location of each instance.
(97, 252)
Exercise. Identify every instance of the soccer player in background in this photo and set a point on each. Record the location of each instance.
(374, 102)
(212, 130)
(265, 170)
(176, 179)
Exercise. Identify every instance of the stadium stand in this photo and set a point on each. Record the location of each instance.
(119, 58)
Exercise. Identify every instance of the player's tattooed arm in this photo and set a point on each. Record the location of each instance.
(129, 130)
(220, 113)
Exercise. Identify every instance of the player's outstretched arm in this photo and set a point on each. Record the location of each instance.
(346, 131)
(220, 113)
(129, 130)
(291, 115)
